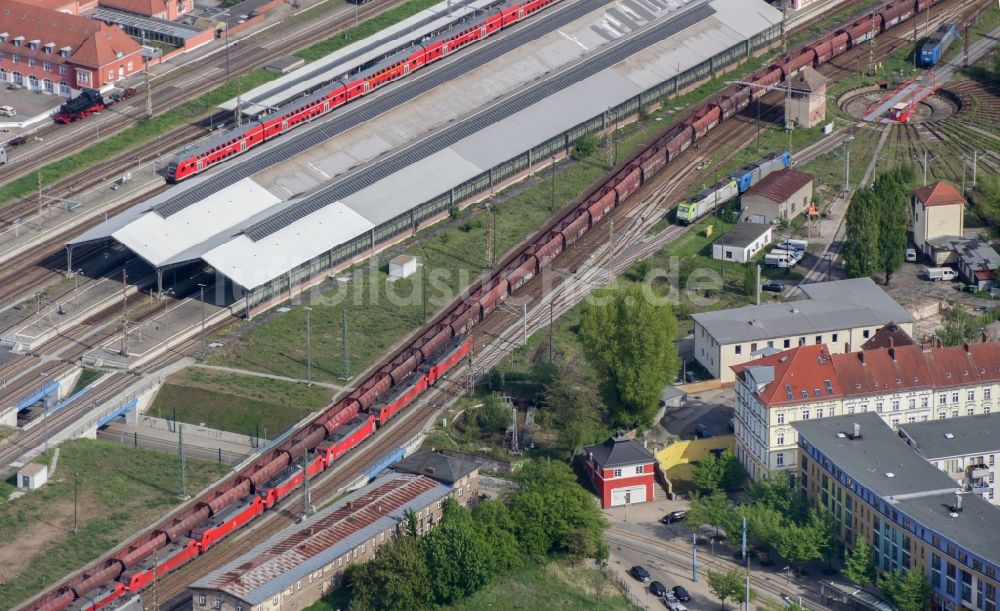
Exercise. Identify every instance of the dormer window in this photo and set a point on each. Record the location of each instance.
(49, 47)
(64, 52)
(119, 55)
(19, 41)
(33, 45)
(3, 36)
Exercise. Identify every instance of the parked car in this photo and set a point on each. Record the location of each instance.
(940, 273)
(911, 255)
(681, 594)
(7, 111)
(668, 598)
(674, 605)
(773, 286)
(657, 589)
(673, 516)
(639, 573)
(702, 431)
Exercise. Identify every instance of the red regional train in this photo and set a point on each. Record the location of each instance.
(390, 389)
(203, 155)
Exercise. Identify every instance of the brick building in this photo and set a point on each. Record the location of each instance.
(900, 384)
(779, 196)
(296, 567)
(55, 52)
(157, 9)
(622, 471)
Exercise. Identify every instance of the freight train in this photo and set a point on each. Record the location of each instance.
(726, 189)
(203, 155)
(935, 46)
(242, 498)
(88, 102)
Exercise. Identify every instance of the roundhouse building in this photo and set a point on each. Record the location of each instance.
(296, 567)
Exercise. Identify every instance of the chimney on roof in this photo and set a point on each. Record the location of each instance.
(937, 341)
(965, 346)
(350, 504)
(957, 507)
(892, 343)
(892, 351)
(861, 357)
(982, 336)
(855, 432)
(429, 470)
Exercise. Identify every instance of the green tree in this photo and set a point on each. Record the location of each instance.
(778, 493)
(799, 544)
(750, 280)
(861, 237)
(459, 559)
(764, 526)
(396, 578)
(707, 475)
(728, 584)
(573, 409)
(494, 522)
(733, 473)
(825, 526)
(631, 339)
(908, 590)
(552, 513)
(890, 194)
(859, 565)
(495, 414)
(712, 509)
(470, 425)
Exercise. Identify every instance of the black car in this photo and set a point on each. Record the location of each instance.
(657, 589)
(774, 287)
(681, 594)
(702, 431)
(673, 516)
(640, 573)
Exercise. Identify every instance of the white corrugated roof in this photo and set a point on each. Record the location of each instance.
(160, 240)
(211, 228)
(251, 264)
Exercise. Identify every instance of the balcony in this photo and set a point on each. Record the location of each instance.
(979, 471)
(982, 487)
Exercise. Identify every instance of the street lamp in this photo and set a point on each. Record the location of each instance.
(164, 297)
(76, 279)
(309, 362)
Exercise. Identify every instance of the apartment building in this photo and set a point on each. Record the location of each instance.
(912, 515)
(901, 384)
(842, 314)
(966, 449)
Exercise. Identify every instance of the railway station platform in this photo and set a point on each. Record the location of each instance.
(334, 192)
(154, 332)
(81, 299)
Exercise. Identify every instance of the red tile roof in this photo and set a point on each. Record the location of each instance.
(889, 336)
(875, 371)
(800, 375)
(92, 43)
(142, 7)
(779, 186)
(940, 193)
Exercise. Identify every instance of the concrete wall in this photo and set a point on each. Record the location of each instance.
(692, 450)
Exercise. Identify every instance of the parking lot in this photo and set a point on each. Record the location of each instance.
(28, 104)
(713, 408)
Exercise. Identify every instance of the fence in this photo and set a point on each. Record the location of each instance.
(139, 440)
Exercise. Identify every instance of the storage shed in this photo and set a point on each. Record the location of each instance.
(32, 476)
(742, 242)
(402, 266)
(779, 196)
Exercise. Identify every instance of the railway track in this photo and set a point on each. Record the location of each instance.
(183, 84)
(591, 242)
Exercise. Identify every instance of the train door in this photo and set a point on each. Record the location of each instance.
(200, 164)
(243, 145)
(367, 86)
(406, 69)
(482, 32)
(520, 13)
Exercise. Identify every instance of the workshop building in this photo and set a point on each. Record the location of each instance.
(622, 471)
(779, 196)
(299, 565)
(54, 52)
(742, 242)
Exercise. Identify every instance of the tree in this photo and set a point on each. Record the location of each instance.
(825, 526)
(458, 558)
(890, 193)
(908, 590)
(764, 525)
(707, 475)
(859, 565)
(495, 414)
(396, 578)
(630, 339)
(725, 585)
(585, 146)
(552, 513)
(750, 280)
(470, 425)
(861, 238)
(494, 522)
(574, 409)
(778, 493)
(713, 509)
(733, 473)
(799, 544)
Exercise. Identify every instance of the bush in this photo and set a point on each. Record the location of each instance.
(585, 146)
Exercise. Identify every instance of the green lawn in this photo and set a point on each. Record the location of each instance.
(120, 489)
(554, 585)
(236, 403)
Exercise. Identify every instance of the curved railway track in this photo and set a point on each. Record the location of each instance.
(590, 236)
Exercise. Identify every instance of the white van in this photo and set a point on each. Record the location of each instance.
(941, 273)
(7, 111)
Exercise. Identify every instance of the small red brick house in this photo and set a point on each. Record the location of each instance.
(622, 471)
